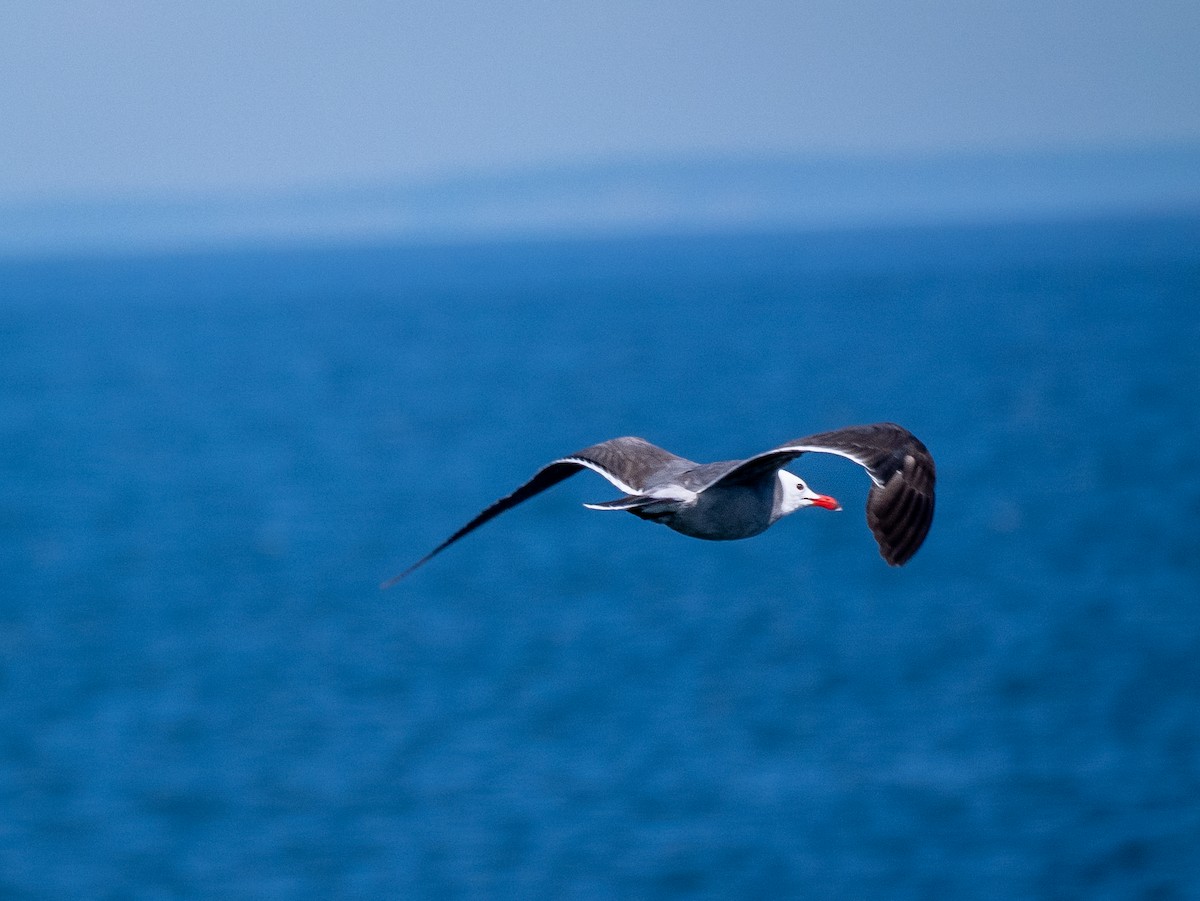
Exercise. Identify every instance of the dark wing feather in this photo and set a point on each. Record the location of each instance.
(626, 462)
(901, 511)
(899, 504)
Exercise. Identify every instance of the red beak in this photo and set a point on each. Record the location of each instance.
(824, 500)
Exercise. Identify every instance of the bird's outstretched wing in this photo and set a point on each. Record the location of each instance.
(628, 463)
(899, 504)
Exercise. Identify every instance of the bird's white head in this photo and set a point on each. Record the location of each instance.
(794, 494)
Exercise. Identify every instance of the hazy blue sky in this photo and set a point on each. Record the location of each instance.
(112, 96)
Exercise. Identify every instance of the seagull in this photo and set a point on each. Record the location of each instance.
(742, 498)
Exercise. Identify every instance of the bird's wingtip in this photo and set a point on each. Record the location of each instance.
(385, 585)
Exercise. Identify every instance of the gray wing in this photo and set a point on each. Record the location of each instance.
(629, 463)
(900, 502)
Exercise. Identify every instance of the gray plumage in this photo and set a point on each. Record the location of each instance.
(741, 498)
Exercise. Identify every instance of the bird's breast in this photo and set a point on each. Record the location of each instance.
(725, 514)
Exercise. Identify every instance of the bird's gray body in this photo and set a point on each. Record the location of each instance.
(728, 513)
(722, 513)
(742, 498)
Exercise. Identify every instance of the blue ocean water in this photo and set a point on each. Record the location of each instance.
(209, 461)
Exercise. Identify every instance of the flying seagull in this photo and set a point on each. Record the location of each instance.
(741, 498)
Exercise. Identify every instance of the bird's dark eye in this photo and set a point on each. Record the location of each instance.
(800, 485)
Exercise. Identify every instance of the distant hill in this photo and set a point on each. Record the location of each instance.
(624, 197)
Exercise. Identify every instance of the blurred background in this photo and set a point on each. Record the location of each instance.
(288, 292)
